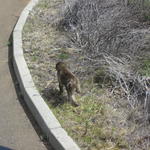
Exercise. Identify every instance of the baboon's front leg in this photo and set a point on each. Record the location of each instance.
(60, 83)
(61, 88)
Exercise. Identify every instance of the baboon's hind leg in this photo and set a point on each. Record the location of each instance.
(71, 97)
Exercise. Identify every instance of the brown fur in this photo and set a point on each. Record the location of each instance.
(69, 80)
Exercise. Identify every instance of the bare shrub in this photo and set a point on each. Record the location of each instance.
(135, 86)
(102, 26)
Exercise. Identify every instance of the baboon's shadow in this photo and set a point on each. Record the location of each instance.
(53, 97)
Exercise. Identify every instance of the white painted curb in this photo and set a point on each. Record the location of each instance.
(57, 136)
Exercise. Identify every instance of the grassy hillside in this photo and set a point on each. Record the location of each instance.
(107, 45)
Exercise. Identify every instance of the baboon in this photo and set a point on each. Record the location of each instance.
(69, 80)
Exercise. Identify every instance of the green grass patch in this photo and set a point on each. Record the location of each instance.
(146, 16)
(145, 67)
(89, 124)
(34, 58)
(63, 56)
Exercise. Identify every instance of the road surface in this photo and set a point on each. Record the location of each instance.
(18, 130)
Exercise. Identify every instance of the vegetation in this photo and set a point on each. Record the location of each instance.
(102, 40)
(145, 67)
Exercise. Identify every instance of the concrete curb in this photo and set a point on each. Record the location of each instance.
(57, 136)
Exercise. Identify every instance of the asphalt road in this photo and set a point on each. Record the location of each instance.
(18, 130)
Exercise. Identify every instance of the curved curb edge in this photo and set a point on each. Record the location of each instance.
(57, 136)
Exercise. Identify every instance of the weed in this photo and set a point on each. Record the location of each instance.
(34, 58)
(63, 56)
(145, 67)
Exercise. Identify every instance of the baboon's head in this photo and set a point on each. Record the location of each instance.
(60, 66)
